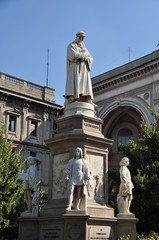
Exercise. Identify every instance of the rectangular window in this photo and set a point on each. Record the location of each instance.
(12, 123)
(33, 154)
(33, 128)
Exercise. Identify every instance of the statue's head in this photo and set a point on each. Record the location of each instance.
(78, 153)
(80, 34)
(80, 37)
(124, 161)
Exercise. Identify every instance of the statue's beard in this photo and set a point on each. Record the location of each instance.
(80, 43)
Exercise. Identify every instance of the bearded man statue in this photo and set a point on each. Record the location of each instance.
(79, 62)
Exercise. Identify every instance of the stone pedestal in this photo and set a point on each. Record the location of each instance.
(67, 227)
(79, 130)
(126, 224)
(96, 221)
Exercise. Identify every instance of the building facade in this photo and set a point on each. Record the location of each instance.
(124, 95)
(29, 111)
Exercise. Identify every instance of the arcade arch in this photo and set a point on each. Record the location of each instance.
(122, 124)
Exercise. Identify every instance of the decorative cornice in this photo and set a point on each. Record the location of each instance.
(14, 111)
(120, 79)
(36, 117)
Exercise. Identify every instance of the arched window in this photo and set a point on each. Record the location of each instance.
(124, 135)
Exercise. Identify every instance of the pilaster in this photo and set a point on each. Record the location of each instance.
(26, 105)
(3, 100)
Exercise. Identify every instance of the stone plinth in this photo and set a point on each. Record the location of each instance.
(126, 224)
(67, 227)
(80, 108)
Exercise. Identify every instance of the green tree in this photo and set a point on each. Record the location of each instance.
(144, 168)
(11, 189)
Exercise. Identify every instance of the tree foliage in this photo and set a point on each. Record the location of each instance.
(11, 189)
(144, 168)
(151, 236)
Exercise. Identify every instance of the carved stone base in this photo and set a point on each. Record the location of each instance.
(75, 212)
(126, 224)
(83, 108)
(76, 225)
(124, 215)
(67, 227)
(29, 214)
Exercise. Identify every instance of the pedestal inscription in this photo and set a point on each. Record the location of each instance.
(52, 232)
(92, 126)
(100, 232)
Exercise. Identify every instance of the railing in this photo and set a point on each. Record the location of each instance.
(15, 80)
(20, 82)
(26, 87)
(35, 86)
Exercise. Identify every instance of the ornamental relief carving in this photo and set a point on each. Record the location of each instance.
(60, 185)
(95, 185)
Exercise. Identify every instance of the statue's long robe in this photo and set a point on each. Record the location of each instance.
(78, 72)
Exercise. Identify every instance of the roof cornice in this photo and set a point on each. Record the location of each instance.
(125, 73)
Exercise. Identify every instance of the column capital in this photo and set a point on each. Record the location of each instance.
(3, 96)
(26, 103)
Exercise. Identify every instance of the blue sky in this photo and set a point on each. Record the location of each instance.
(29, 27)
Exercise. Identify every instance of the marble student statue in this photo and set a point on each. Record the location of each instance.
(125, 196)
(79, 61)
(31, 193)
(77, 174)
